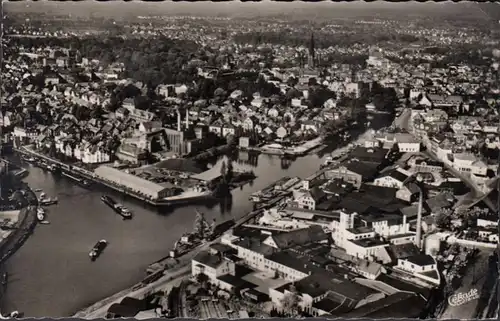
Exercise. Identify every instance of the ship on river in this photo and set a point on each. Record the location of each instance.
(46, 201)
(80, 181)
(117, 207)
(97, 249)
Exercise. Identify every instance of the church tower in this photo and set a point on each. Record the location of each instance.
(311, 61)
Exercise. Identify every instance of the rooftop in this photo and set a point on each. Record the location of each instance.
(208, 259)
(398, 305)
(368, 242)
(421, 259)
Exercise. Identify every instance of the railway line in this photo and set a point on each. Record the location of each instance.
(211, 308)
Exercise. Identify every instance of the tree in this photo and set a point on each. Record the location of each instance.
(229, 170)
(202, 279)
(290, 302)
(223, 169)
(442, 218)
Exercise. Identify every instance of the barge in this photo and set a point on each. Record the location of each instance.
(117, 207)
(80, 181)
(97, 249)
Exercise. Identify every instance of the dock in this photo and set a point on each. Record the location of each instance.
(279, 189)
(163, 263)
(72, 171)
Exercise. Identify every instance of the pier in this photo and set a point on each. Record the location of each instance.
(72, 171)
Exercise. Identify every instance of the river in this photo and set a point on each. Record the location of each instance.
(51, 274)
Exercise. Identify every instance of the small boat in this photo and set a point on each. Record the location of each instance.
(28, 159)
(45, 222)
(97, 249)
(40, 214)
(49, 201)
(5, 278)
(38, 190)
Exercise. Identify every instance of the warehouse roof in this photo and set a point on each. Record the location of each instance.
(128, 180)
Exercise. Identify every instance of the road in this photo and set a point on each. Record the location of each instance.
(403, 120)
(467, 180)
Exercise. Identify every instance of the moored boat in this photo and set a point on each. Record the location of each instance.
(117, 207)
(40, 214)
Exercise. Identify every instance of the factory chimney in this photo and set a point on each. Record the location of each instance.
(187, 118)
(418, 237)
(178, 120)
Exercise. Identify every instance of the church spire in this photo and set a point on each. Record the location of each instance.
(312, 55)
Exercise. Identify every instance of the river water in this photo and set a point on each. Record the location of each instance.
(51, 274)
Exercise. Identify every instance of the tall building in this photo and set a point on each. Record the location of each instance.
(311, 61)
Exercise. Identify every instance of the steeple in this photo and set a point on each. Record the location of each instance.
(312, 55)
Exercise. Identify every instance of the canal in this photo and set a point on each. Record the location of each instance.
(52, 276)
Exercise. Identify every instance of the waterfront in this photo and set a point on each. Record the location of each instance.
(51, 275)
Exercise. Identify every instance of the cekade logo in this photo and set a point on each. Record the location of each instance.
(462, 298)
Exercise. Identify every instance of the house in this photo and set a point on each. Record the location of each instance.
(282, 241)
(353, 172)
(322, 286)
(395, 178)
(369, 154)
(422, 266)
(212, 265)
(468, 163)
(487, 221)
(91, 154)
(249, 123)
(228, 129)
(310, 198)
(216, 127)
(405, 142)
(372, 249)
(428, 166)
(149, 126)
(368, 269)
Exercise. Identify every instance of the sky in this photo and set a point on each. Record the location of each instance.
(119, 9)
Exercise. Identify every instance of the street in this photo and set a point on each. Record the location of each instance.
(403, 120)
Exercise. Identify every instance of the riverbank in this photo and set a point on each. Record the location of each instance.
(63, 271)
(277, 149)
(26, 223)
(142, 289)
(185, 260)
(91, 176)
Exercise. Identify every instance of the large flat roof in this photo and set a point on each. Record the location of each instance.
(131, 181)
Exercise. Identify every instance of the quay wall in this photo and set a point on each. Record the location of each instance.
(25, 227)
(91, 176)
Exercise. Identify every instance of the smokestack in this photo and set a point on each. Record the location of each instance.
(419, 220)
(178, 121)
(187, 118)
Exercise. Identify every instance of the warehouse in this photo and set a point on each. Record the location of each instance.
(132, 183)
